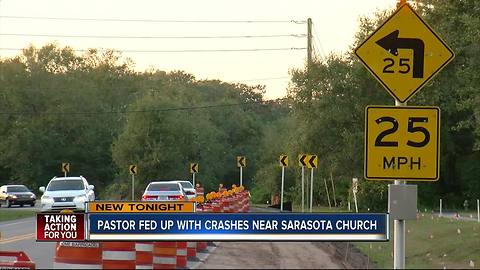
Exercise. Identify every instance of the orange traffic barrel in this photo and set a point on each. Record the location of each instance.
(164, 255)
(118, 255)
(202, 245)
(217, 207)
(200, 191)
(22, 261)
(144, 255)
(78, 255)
(182, 255)
(192, 251)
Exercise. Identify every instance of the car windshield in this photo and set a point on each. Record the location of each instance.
(163, 187)
(186, 185)
(65, 185)
(17, 189)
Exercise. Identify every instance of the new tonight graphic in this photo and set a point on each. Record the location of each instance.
(238, 227)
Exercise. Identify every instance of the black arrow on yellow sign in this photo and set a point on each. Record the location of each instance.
(302, 160)
(312, 161)
(284, 160)
(133, 169)
(65, 167)
(241, 162)
(391, 43)
(193, 167)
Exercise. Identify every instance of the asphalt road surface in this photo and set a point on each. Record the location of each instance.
(270, 255)
(19, 235)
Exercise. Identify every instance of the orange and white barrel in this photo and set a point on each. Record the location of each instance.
(202, 245)
(144, 255)
(192, 250)
(86, 255)
(118, 255)
(217, 207)
(200, 191)
(182, 252)
(164, 255)
(15, 260)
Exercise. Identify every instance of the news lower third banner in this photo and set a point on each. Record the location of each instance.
(237, 226)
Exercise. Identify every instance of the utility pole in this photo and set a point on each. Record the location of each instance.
(309, 59)
(309, 44)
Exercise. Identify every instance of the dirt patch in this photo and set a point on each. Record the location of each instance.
(350, 256)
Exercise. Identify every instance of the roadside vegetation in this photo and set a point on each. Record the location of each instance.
(12, 214)
(432, 242)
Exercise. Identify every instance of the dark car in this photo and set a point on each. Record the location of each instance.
(16, 194)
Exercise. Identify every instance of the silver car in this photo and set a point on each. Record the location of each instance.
(189, 190)
(66, 193)
(164, 191)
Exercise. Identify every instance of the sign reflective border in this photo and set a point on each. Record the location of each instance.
(404, 53)
(402, 143)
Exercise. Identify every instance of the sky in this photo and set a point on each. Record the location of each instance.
(143, 31)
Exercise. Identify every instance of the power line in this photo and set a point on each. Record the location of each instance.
(155, 37)
(152, 20)
(262, 102)
(317, 38)
(262, 79)
(183, 51)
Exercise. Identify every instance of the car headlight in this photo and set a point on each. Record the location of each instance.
(13, 196)
(32, 196)
(80, 198)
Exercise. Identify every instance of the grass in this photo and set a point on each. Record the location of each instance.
(12, 214)
(431, 242)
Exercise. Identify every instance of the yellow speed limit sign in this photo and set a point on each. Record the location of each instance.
(402, 143)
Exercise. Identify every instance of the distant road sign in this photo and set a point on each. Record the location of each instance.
(302, 160)
(404, 53)
(132, 169)
(284, 160)
(312, 161)
(402, 143)
(65, 167)
(194, 168)
(241, 161)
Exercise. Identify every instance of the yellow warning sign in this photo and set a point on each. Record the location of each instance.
(404, 53)
(402, 143)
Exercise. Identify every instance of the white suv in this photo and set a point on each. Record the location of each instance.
(66, 193)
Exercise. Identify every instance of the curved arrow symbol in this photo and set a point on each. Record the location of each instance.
(391, 43)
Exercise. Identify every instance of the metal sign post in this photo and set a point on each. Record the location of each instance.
(354, 191)
(302, 162)
(281, 192)
(133, 187)
(303, 189)
(399, 228)
(241, 176)
(311, 190)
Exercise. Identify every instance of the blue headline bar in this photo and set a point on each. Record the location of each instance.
(238, 226)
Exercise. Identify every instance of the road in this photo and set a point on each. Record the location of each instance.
(270, 255)
(20, 235)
